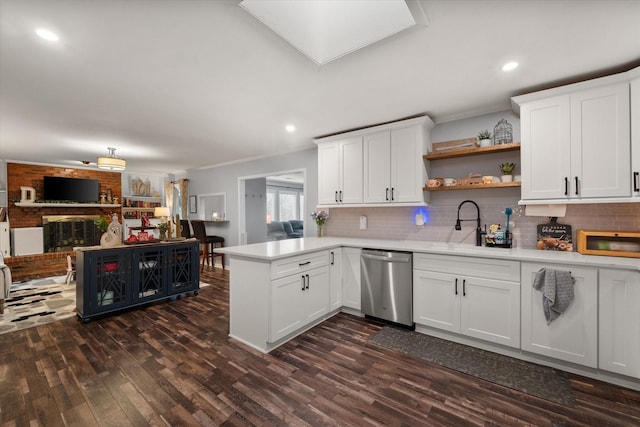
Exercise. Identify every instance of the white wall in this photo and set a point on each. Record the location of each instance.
(225, 179)
(256, 210)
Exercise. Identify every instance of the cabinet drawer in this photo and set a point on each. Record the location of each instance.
(295, 264)
(469, 266)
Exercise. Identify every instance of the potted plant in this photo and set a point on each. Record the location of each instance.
(102, 224)
(507, 171)
(484, 138)
(162, 228)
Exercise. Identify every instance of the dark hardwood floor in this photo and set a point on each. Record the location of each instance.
(173, 364)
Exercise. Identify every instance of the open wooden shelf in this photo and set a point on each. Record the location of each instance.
(473, 186)
(472, 151)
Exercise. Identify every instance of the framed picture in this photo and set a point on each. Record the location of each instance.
(193, 204)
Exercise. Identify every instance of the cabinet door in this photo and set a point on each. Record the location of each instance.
(351, 278)
(408, 173)
(436, 300)
(619, 329)
(183, 272)
(490, 310)
(351, 170)
(600, 142)
(328, 173)
(109, 277)
(377, 167)
(545, 148)
(572, 336)
(316, 294)
(148, 271)
(287, 305)
(335, 278)
(635, 137)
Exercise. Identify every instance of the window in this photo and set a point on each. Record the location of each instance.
(284, 203)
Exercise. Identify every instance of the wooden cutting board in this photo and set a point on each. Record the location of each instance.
(554, 236)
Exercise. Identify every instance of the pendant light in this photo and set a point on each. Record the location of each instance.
(111, 162)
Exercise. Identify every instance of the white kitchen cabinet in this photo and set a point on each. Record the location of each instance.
(573, 336)
(340, 171)
(476, 305)
(268, 303)
(351, 297)
(298, 300)
(335, 279)
(576, 142)
(377, 165)
(619, 322)
(394, 171)
(635, 133)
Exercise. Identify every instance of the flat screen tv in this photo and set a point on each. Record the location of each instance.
(71, 189)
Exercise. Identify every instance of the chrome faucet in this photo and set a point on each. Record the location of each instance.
(479, 231)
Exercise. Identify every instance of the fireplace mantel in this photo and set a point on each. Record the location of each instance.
(66, 205)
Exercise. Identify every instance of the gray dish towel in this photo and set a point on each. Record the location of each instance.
(557, 291)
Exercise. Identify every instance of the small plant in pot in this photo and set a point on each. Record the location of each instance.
(162, 228)
(484, 138)
(507, 171)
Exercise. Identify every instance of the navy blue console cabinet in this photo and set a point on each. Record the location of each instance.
(122, 277)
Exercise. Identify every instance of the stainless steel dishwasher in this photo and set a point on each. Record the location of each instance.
(387, 286)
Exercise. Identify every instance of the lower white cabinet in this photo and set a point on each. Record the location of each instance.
(335, 279)
(298, 300)
(478, 307)
(351, 278)
(619, 325)
(573, 336)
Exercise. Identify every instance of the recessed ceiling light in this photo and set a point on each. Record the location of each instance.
(47, 35)
(510, 66)
(290, 128)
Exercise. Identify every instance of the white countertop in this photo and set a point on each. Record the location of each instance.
(269, 251)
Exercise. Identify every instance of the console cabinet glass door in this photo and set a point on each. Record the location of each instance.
(148, 274)
(183, 271)
(112, 287)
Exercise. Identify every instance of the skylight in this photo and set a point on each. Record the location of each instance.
(325, 30)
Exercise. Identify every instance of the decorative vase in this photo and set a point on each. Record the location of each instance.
(109, 239)
(506, 178)
(486, 143)
(163, 235)
(319, 230)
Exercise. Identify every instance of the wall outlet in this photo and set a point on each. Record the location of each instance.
(363, 222)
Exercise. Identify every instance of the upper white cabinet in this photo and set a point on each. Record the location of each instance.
(394, 171)
(377, 165)
(340, 171)
(573, 336)
(635, 133)
(576, 142)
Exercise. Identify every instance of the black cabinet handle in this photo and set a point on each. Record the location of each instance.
(636, 181)
(386, 194)
(576, 185)
(333, 257)
(456, 286)
(307, 281)
(392, 189)
(336, 197)
(566, 186)
(340, 196)
(464, 288)
(304, 263)
(302, 282)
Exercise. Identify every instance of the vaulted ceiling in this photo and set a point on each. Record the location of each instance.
(175, 85)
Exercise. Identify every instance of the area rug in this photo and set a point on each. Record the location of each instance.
(541, 381)
(38, 302)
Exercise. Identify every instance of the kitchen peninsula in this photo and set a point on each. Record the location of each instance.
(280, 289)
